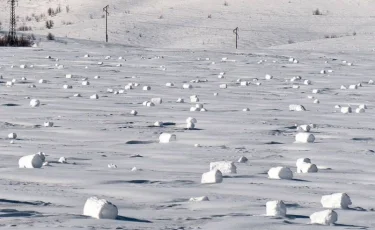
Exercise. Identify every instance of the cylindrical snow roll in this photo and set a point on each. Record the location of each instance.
(100, 209)
(212, 177)
(167, 137)
(276, 208)
(326, 217)
(336, 200)
(305, 138)
(280, 173)
(31, 161)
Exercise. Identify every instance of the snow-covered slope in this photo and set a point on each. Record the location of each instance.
(186, 23)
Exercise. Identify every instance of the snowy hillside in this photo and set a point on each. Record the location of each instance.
(200, 24)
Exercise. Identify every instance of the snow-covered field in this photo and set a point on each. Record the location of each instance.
(94, 133)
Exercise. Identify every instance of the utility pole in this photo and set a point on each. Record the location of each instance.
(12, 23)
(105, 9)
(235, 31)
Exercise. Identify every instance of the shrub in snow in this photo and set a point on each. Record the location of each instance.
(100, 209)
(225, 167)
(199, 199)
(346, 109)
(31, 161)
(146, 88)
(157, 100)
(268, 77)
(336, 200)
(134, 112)
(307, 168)
(166, 138)
(303, 128)
(223, 86)
(360, 110)
(48, 124)
(326, 217)
(296, 108)
(180, 100)
(276, 208)
(95, 96)
(34, 103)
(12, 136)
(212, 177)
(187, 86)
(62, 160)
(280, 173)
(305, 138)
(242, 160)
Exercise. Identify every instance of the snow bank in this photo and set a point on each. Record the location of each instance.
(276, 208)
(336, 200)
(225, 167)
(280, 173)
(100, 209)
(326, 217)
(212, 177)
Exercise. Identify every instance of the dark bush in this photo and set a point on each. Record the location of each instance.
(20, 41)
(50, 37)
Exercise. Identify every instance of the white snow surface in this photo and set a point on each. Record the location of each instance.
(92, 134)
